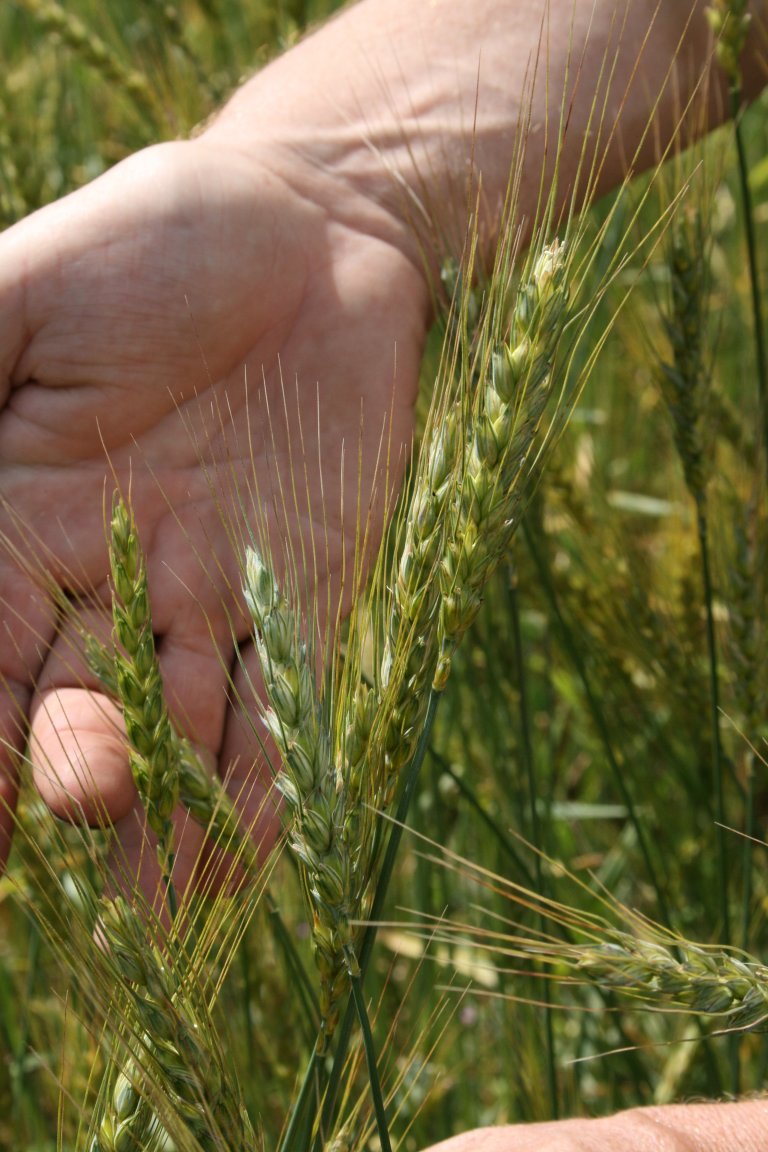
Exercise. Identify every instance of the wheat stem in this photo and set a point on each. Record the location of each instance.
(370, 1059)
(730, 21)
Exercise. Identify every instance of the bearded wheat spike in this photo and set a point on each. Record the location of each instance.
(139, 684)
(308, 782)
(170, 1047)
(176, 1051)
(497, 471)
(473, 483)
(185, 778)
(685, 975)
(331, 811)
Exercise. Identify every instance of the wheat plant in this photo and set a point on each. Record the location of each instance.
(535, 650)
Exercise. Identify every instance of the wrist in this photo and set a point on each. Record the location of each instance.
(404, 117)
(375, 115)
(709, 1127)
(300, 117)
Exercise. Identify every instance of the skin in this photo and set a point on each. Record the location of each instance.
(675, 1128)
(283, 261)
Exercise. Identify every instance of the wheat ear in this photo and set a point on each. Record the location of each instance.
(308, 782)
(140, 687)
(702, 980)
(498, 469)
(173, 1051)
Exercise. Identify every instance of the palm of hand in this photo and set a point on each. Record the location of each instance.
(131, 317)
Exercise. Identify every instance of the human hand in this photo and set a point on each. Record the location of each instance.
(131, 315)
(675, 1128)
(630, 1131)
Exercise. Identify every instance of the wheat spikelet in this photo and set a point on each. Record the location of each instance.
(202, 794)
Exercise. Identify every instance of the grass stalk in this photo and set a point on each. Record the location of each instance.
(526, 751)
(716, 759)
(730, 21)
(718, 792)
(379, 1109)
(497, 832)
(756, 296)
(377, 907)
(298, 1134)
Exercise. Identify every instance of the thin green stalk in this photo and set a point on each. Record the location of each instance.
(526, 752)
(385, 875)
(22, 1099)
(302, 983)
(717, 761)
(748, 850)
(398, 827)
(370, 1060)
(762, 383)
(716, 744)
(298, 1133)
(493, 826)
(170, 887)
(599, 721)
(754, 272)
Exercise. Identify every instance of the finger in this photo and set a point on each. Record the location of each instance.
(77, 733)
(79, 745)
(79, 757)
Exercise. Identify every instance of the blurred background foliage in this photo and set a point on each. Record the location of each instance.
(579, 714)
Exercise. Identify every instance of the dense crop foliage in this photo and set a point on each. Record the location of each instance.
(601, 734)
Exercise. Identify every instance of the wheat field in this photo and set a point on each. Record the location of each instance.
(555, 677)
